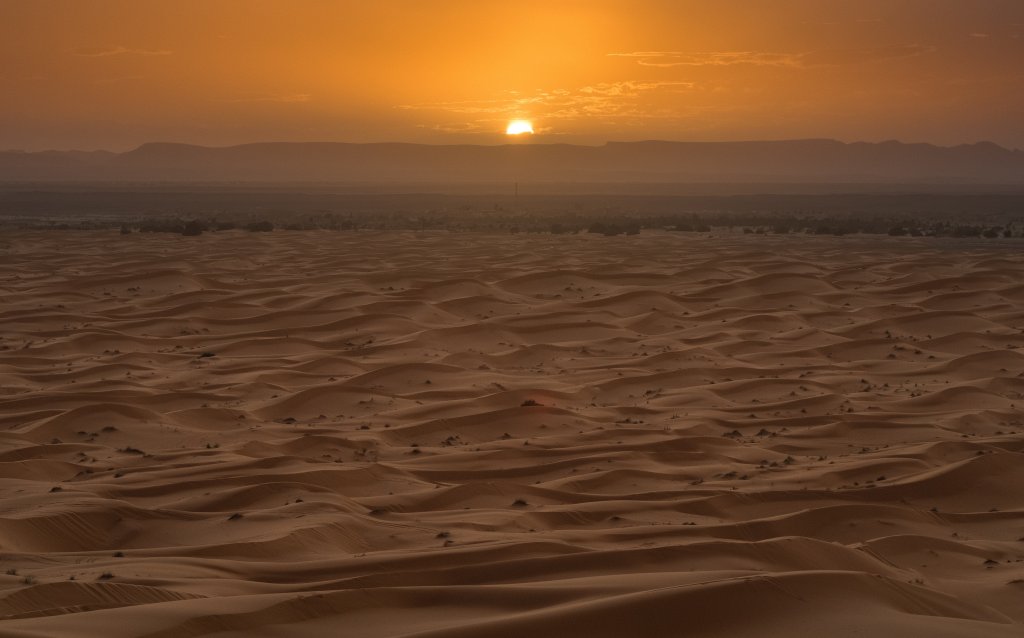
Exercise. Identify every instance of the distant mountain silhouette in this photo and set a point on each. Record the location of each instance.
(799, 161)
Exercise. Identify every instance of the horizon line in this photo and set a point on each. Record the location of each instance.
(524, 142)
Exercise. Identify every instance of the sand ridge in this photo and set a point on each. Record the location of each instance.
(437, 434)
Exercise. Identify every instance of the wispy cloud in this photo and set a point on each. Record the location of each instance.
(605, 100)
(841, 57)
(460, 127)
(834, 23)
(829, 57)
(117, 80)
(710, 58)
(287, 98)
(103, 52)
(632, 88)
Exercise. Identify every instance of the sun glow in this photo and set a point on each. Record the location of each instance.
(519, 127)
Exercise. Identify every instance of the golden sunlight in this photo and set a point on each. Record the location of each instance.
(518, 127)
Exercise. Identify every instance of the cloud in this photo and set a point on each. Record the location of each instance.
(713, 58)
(835, 23)
(607, 99)
(117, 80)
(287, 98)
(465, 127)
(841, 57)
(103, 52)
(829, 57)
(979, 35)
(621, 101)
(631, 88)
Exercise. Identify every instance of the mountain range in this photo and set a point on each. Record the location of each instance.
(795, 161)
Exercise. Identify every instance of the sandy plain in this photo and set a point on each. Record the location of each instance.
(432, 434)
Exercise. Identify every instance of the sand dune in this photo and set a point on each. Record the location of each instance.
(434, 434)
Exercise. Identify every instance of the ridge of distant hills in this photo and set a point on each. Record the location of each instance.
(796, 161)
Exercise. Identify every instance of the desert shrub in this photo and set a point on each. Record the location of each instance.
(967, 231)
(193, 228)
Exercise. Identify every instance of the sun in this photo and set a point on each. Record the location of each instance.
(519, 127)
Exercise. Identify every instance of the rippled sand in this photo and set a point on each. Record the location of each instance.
(360, 434)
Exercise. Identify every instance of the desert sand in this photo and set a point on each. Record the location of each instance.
(401, 434)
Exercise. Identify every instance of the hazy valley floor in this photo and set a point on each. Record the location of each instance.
(401, 434)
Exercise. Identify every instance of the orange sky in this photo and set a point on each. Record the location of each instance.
(116, 73)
